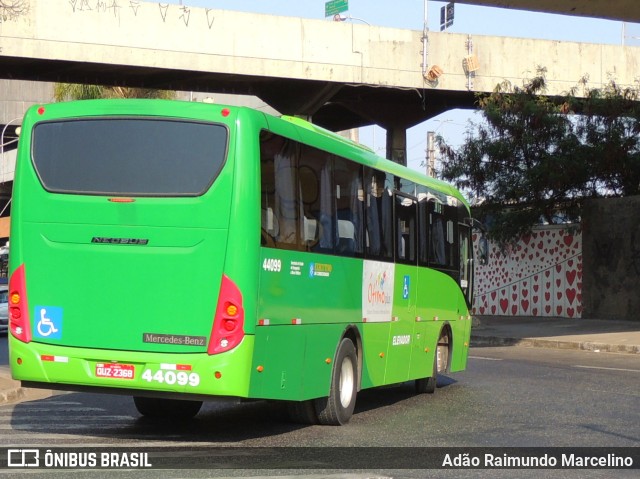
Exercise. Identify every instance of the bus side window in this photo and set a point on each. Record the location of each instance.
(279, 181)
(270, 225)
(316, 179)
(406, 231)
(349, 199)
(437, 234)
(423, 230)
(379, 215)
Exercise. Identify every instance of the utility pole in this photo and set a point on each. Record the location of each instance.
(431, 154)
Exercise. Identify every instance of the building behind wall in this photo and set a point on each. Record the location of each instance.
(612, 258)
(15, 98)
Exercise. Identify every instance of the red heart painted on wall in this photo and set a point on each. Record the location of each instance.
(504, 304)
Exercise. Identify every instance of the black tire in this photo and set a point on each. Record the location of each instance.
(167, 408)
(337, 409)
(440, 365)
(428, 385)
(302, 412)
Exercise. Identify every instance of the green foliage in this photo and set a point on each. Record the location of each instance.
(76, 91)
(609, 127)
(534, 159)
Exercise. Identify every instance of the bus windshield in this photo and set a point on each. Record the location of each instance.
(105, 156)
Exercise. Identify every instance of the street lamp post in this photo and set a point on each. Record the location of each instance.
(341, 18)
(431, 149)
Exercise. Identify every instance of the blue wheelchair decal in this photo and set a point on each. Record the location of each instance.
(405, 288)
(48, 322)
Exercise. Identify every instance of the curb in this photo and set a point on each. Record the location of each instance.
(555, 344)
(12, 395)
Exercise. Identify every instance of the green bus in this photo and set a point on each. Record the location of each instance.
(177, 252)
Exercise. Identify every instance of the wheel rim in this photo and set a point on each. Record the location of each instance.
(346, 382)
(442, 356)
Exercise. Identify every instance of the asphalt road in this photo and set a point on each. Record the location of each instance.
(508, 397)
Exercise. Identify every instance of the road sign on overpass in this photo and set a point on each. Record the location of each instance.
(335, 7)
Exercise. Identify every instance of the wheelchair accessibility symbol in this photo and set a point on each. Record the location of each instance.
(49, 322)
(405, 288)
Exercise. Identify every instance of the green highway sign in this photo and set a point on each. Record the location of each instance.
(335, 7)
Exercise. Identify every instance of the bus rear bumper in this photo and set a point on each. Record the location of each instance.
(183, 376)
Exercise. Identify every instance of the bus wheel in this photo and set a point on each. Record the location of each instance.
(428, 385)
(440, 365)
(442, 353)
(338, 408)
(167, 408)
(302, 412)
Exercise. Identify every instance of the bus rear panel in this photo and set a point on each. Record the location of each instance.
(120, 228)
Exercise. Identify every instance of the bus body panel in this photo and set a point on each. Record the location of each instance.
(311, 288)
(375, 340)
(401, 332)
(242, 260)
(304, 372)
(114, 296)
(307, 300)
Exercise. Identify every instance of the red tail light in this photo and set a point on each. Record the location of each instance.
(18, 313)
(228, 325)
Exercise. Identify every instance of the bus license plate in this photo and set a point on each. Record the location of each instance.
(115, 370)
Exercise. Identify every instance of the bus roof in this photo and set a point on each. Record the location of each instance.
(322, 137)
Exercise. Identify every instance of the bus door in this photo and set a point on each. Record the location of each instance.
(466, 262)
(402, 337)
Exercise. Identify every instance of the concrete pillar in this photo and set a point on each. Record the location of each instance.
(397, 145)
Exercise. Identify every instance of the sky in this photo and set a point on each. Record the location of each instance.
(474, 20)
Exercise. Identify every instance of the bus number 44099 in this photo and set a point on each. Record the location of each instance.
(181, 378)
(273, 265)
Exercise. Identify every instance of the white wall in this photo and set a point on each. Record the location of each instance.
(540, 276)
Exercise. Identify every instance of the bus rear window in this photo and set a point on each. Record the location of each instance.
(129, 156)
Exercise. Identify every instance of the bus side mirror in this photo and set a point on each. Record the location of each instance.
(483, 242)
(483, 250)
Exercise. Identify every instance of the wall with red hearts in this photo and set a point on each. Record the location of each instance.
(541, 275)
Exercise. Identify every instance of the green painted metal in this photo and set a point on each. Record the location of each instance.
(334, 7)
(297, 305)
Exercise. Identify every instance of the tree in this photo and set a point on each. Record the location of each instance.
(10, 9)
(76, 91)
(534, 159)
(610, 128)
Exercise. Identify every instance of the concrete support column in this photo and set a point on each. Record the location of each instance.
(397, 145)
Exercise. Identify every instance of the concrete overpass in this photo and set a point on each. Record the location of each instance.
(342, 75)
(626, 10)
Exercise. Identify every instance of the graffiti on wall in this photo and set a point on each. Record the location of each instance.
(541, 275)
(166, 11)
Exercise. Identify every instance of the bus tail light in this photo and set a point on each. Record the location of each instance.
(228, 324)
(18, 313)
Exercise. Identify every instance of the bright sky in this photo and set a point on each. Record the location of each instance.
(468, 19)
